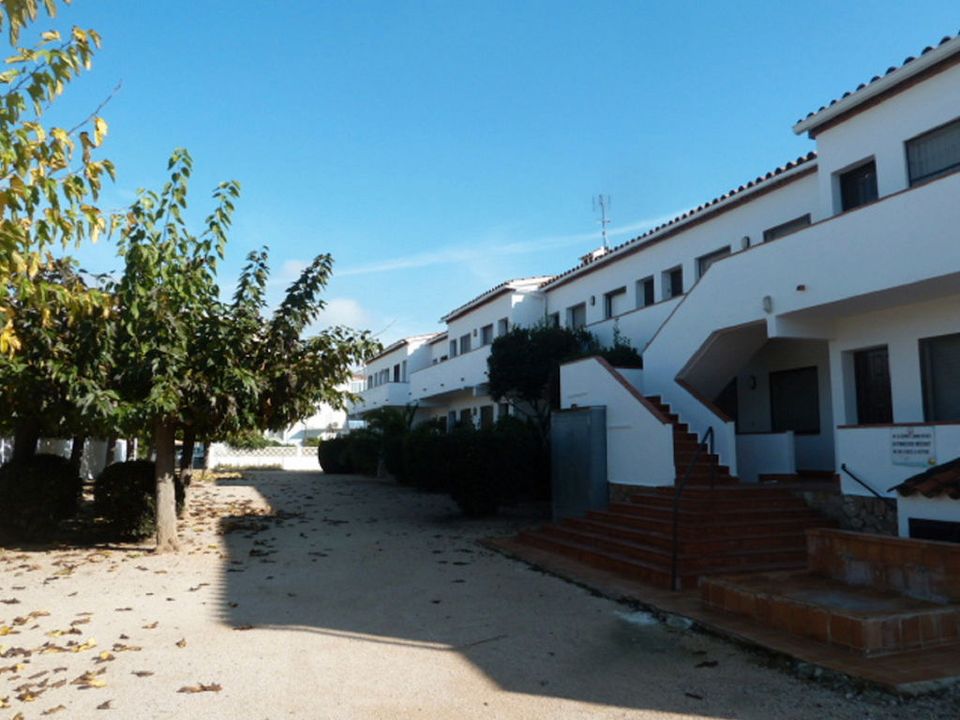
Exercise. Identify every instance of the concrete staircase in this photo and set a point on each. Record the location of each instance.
(723, 526)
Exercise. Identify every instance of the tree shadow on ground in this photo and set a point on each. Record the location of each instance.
(363, 559)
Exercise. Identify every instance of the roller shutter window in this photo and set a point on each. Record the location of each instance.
(934, 153)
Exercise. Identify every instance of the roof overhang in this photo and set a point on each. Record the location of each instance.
(880, 86)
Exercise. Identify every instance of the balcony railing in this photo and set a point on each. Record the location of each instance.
(462, 372)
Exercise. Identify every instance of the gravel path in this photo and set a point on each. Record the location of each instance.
(299, 595)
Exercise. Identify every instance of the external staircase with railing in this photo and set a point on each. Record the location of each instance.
(707, 523)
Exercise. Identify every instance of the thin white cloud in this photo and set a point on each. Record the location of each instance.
(458, 254)
(343, 311)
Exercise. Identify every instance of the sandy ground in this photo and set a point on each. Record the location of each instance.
(298, 595)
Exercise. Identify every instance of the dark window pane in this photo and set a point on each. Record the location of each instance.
(940, 375)
(795, 401)
(858, 186)
(872, 379)
(787, 228)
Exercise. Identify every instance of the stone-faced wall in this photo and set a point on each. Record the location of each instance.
(858, 513)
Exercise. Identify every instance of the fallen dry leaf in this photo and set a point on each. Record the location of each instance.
(182, 643)
(54, 710)
(200, 687)
(142, 673)
(105, 705)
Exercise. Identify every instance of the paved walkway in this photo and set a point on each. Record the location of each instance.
(359, 599)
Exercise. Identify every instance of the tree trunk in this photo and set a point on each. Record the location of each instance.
(186, 457)
(111, 451)
(206, 454)
(25, 439)
(76, 452)
(165, 444)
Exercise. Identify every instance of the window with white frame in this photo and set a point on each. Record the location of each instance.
(858, 186)
(645, 296)
(486, 334)
(503, 326)
(787, 228)
(673, 282)
(465, 343)
(934, 153)
(705, 261)
(615, 302)
(577, 316)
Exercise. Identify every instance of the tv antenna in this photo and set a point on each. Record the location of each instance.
(602, 203)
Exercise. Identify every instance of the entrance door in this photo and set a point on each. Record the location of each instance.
(872, 378)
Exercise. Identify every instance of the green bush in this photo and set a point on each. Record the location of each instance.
(332, 455)
(124, 495)
(427, 458)
(37, 494)
(362, 453)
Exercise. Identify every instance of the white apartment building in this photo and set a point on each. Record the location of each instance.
(809, 320)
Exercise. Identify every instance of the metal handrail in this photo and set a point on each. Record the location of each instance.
(705, 444)
(847, 470)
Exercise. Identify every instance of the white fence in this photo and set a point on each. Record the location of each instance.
(286, 458)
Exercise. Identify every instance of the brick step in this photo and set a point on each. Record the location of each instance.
(692, 544)
(741, 492)
(713, 516)
(725, 530)
(721, 502)
(622, 565)
(825, 610)
(796, 555)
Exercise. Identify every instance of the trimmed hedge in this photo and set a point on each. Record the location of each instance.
(36, 494)
(332, 456)
(358, 452)
(125, 497)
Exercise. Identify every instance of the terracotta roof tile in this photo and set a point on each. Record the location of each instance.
(892, 69)
(944, 479)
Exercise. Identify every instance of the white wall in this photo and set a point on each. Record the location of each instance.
(866, 451)
(639, 445)
(848, 260)
(881, 131)
(900, 329)
(749, 219)
(765, 454)
(920, 507)
(813, 452)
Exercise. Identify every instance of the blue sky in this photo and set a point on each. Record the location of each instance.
(439, 148)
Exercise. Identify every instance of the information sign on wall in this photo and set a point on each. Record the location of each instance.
(913, 445)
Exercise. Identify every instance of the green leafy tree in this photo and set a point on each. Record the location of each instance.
(524, 367)
(168, 283)
(58, 384)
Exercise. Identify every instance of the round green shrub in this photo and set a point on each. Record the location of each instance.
(36, 494)
(332, 455)
(124, 495)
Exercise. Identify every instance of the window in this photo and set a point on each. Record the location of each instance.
(453, 348)
(940, 377)
(465, 419)
(451, 420)
(673, 283)
(705, 261)
(791, 226)
(577, 316)
(486, 334)
(442, 422)
(404, 378)
(503, 326)
(645, 292)
(858, 186)
(486, 416)
(795, 401)
(503, 410)
(553, 320)
(934, 153)
(369, 381)
(465, 343)
(871, 372)
(396, 372)
(614, 302)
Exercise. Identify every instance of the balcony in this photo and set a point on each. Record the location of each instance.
(391, 394)
(464, 372)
